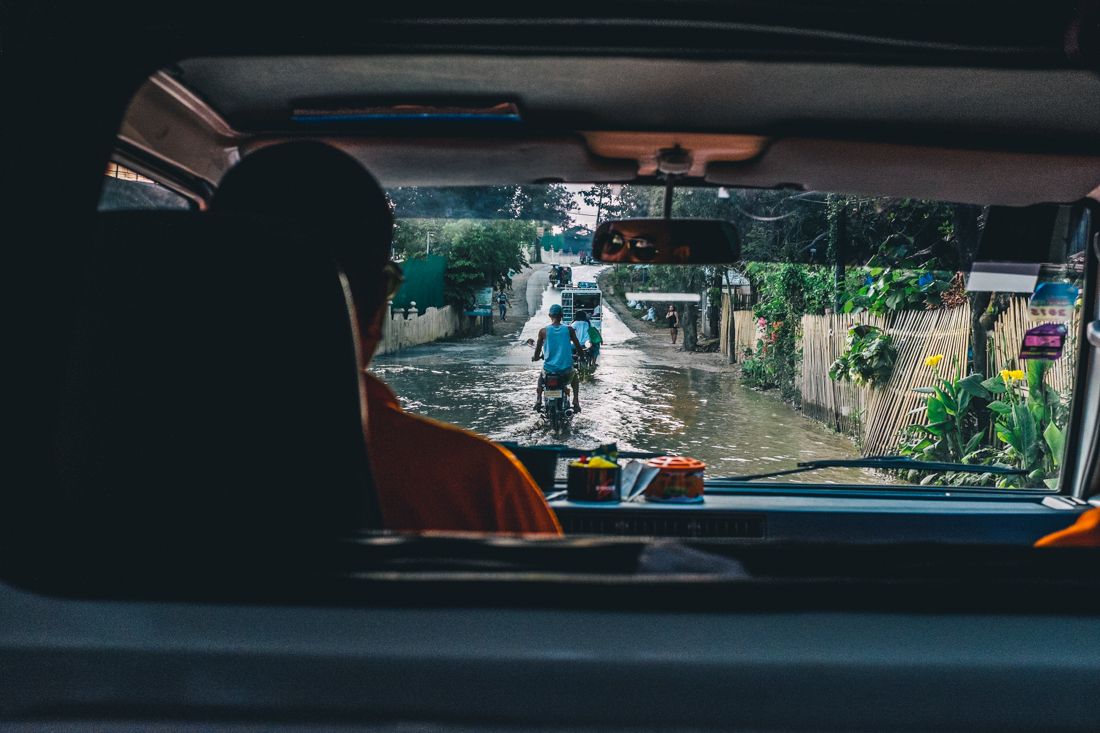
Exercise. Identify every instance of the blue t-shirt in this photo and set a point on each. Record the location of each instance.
(558, 349)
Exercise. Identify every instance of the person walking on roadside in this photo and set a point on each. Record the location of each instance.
(673, 322)
(502, 301)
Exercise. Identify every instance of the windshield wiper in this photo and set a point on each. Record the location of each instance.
(890, 462)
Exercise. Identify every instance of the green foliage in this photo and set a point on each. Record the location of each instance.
(479, 253)
(551, 203)
(788, 292)
(869, 359)
(895, 279)
(1008, 426)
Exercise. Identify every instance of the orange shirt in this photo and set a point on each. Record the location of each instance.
(1085, 532)
(434, 476)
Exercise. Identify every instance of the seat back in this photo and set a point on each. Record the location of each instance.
(211, 402)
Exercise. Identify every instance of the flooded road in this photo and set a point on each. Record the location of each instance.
(641, 400)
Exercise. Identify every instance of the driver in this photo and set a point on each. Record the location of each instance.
(428, 475)
(559, 341)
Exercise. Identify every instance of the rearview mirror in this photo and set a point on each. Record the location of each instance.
(667, 242)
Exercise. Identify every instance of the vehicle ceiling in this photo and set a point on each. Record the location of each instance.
(978, 134)
(1050, 107)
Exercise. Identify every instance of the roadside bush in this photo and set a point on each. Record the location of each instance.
(869, 360)
(788, 291)
(994, 421)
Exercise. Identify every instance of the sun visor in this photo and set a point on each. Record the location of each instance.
(909, 171)
(474, 161)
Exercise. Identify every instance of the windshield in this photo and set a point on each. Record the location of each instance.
(846, 331)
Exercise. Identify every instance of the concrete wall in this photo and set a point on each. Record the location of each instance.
(550, 257)
(405, 330)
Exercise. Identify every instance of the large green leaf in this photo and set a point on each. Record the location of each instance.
(937, 411)
(936, 428)
(1029, 439)
(1056, 441)
(973, 443)
(972, 385)
(1010, 436)
(925, 390)
(947, 400)
(1002, 408)
(1038, 412)
(964, 402)
(996, 385)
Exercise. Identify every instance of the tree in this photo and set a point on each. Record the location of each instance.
(480, 254)
(550, 203)
(599, 196)
(546, 203)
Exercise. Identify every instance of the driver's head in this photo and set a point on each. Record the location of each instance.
(555, 313)
(328, 195)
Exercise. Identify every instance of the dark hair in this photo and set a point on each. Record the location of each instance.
(315, 185)
(581, 316)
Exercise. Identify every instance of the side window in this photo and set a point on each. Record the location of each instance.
(125, 190)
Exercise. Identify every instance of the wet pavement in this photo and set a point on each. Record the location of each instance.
(641, 398)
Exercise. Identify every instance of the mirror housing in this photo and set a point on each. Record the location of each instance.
(667, 242)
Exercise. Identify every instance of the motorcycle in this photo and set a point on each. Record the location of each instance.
(584, 362)
(558, 410)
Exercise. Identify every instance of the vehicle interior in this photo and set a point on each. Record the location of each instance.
(194, 533)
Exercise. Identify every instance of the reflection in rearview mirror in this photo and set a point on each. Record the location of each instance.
(667, 242)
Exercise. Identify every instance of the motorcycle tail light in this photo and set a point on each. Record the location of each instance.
(551, 381)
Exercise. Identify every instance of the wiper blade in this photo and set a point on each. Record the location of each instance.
(890, 462)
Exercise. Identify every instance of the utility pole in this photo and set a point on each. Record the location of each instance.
(428, 246)
(841, 254)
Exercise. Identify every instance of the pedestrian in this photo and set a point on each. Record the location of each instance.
(673, 322)
(502, 301)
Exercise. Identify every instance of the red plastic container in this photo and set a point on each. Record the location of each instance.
(680, 480)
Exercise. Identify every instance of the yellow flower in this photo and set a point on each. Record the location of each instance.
(933, 360)
(1014, 374)
(1017, 374)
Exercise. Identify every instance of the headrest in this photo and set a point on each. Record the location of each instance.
(211, 396)
(316, 185)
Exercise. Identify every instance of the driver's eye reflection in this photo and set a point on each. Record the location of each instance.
(616, 243)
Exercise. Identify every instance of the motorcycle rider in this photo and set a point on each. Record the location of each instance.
(559, 341)
(584, 328)
(581, 324)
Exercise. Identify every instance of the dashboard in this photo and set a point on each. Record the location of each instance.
(828, 519)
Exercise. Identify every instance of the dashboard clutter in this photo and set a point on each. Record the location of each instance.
(595, 477)
(679, 480)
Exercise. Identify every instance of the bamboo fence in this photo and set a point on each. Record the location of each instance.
(738, 331)
(917, 335)
(1008, 336)
(879, 414)
(838, 404)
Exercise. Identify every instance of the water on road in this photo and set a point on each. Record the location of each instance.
(642, 401)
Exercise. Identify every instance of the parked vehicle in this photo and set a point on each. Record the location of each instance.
(585, 297)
